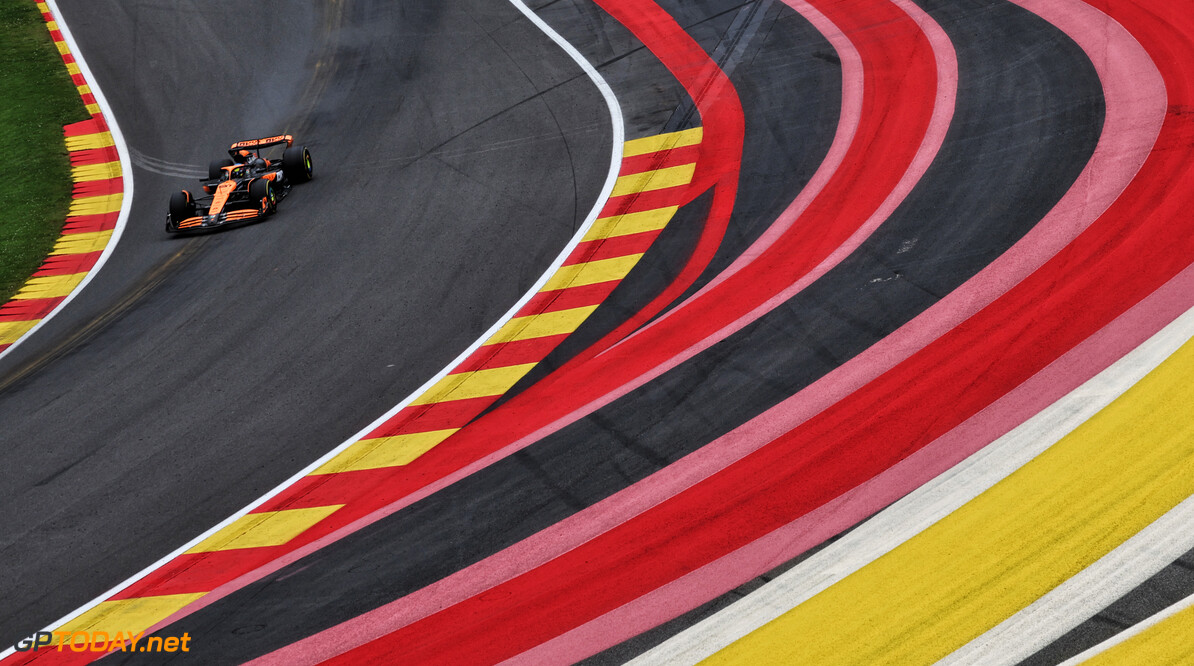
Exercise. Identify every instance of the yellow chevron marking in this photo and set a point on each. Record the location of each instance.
(540, 325)
(602, 270)
(89, 172)
(1090, 492)
(43, 7)
(91, 241)
(125, 615)
(51, 286)
(11, 331)
(107, 203)
(52, 25)
(476, 384)
(268, 528)
(73, 68)
(84, 89)
(63, 49)
(384, 451)
(631, 223)
(89, 141)
(1169, 642)
(654, 144)
(657, 179)
(93, 109)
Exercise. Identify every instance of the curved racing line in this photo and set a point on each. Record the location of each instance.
(895, 418)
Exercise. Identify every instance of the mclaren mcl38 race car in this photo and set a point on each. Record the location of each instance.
(242, 188)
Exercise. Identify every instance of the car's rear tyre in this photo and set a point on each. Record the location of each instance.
(215, 168)
(263, 188)
(296, 164)
(182, 206)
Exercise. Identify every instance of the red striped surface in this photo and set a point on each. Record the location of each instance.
(1136, 246)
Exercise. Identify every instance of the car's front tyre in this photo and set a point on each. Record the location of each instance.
(182, 206)
(262, 191)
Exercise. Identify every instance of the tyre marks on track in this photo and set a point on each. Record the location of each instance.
(509, 567)
(1099, 353)
(1113, 475)
(340, 495)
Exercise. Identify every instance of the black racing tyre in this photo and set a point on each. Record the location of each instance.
(182, 206)
(263, 188)
(215, 168)
(296, 164)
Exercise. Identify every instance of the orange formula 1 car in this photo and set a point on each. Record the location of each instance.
(242, 188)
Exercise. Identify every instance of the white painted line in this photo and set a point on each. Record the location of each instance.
(1133, 631)
(922, 508)
(1081, 597)
(619, 136)
(125, 167)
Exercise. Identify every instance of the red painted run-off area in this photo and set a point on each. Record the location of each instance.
(1141, 242)
(899, 107)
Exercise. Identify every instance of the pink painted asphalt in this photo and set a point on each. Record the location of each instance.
(947, 73)
(552, 541)
(1136, 102)
(1132, 123)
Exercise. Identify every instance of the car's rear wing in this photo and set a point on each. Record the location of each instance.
(258, 144)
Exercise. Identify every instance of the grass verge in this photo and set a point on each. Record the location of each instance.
(37, 98)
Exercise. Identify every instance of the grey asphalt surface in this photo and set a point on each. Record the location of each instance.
(1029, 113)
(196, 374)
(1168, 586)
(456, 151)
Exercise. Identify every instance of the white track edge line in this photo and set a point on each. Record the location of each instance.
(619, 136)
(1085, 594)
(1131, 632)
(125, 167)
(925, 506)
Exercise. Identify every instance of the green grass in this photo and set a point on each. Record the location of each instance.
(37, 98)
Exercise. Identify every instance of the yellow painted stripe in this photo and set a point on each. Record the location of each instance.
(657, 179)
(1169, 642)
(89, 141)
(52, 25)
(268, 528)
(51, 286)
(107, 203)
(540, 325)
(11, 331)
(93, 108)
(384, 451)
(654, 144)
(125, 615)
(476, 384)
(73, 68)
(45, 9)
(1097, 487)
(84, 89)
(91, 241)
(602, 270)
(89, 172)
(631, 223)
(63, 49)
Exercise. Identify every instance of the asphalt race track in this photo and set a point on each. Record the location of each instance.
(203, 363)
(875, 353)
